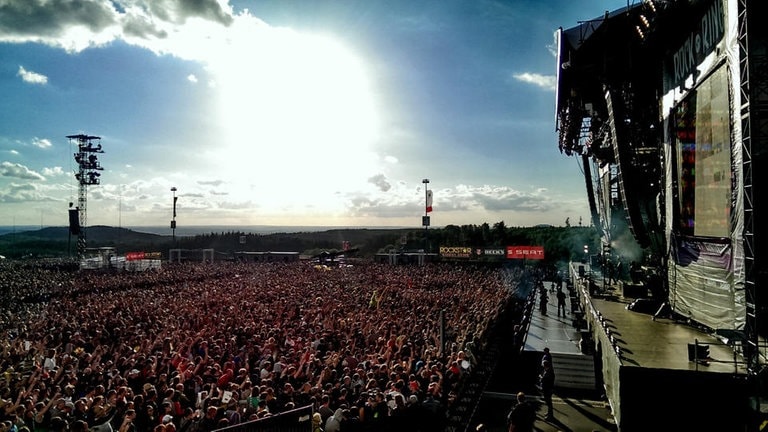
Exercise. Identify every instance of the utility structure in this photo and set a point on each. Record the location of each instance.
(425, 218)
(88, 174)
(173, 221)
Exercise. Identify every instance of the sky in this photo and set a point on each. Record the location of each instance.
(288, 112)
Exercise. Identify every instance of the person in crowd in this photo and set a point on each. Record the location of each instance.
(547, 386)
(317, 421)
(325, 408)
(132, 348)
(333, 424)
(546, 356)
(560, 301)
(522, 416)
(543, 300)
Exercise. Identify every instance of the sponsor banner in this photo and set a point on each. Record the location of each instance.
(455, 251)
(707, 32)
(135, 256)
(490, 252)
(525, 252)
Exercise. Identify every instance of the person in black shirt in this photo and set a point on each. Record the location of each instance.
(522, 416)
(560, 301)
(547, 384)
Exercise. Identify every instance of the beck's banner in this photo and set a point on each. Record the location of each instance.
(490, 252)
(525, 252)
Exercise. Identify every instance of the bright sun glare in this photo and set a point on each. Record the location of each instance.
(298, 114)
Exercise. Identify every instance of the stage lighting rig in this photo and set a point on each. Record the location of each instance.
(88, 148)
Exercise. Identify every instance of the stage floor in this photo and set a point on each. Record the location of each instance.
(644, 342)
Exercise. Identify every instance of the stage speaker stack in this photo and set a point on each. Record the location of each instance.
(74, 221)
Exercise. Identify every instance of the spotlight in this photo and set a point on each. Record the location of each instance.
(651, 5)
(644, 21)
(640, 32)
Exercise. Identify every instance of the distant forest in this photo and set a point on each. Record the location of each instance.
(560, 243)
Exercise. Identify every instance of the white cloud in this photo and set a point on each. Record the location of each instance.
(494, 198)
(42, 143)
(210, 182)
(32, 77)
(245, 47)
(552, 48)
(547, 82)
(9, 169)
(54, 171)
(20, 193)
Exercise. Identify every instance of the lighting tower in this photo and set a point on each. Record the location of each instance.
(87, 174)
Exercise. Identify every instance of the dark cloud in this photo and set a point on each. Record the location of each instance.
(141, 28)
(51, 18)
(381, 182)
(48, 21)
(206, 9)
(179, 11)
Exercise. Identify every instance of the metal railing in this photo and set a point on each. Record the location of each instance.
(295, 420)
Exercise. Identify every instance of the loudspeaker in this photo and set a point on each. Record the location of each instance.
(74, 221)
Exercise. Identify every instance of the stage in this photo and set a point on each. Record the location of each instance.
(642, 362)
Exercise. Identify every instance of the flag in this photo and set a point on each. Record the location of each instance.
(429, 201)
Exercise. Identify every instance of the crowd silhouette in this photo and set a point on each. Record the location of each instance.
(195, 347)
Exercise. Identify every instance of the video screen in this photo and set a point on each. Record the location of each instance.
(703, 159)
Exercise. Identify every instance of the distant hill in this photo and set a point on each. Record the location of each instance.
(57, 242)
(97, 234)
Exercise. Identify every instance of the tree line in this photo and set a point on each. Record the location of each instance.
(560, 243)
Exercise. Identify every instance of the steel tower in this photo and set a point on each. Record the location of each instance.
(87, 174)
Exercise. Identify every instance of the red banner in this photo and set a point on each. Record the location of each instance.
(134, 256)
(525, 252)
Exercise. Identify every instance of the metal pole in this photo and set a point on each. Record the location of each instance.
(426, 215)
(173, 221)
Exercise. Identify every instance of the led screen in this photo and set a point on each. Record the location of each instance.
(703, 159)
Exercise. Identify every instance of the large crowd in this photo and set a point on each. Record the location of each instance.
(198, 347)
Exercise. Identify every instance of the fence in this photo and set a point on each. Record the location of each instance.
(296, 420)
